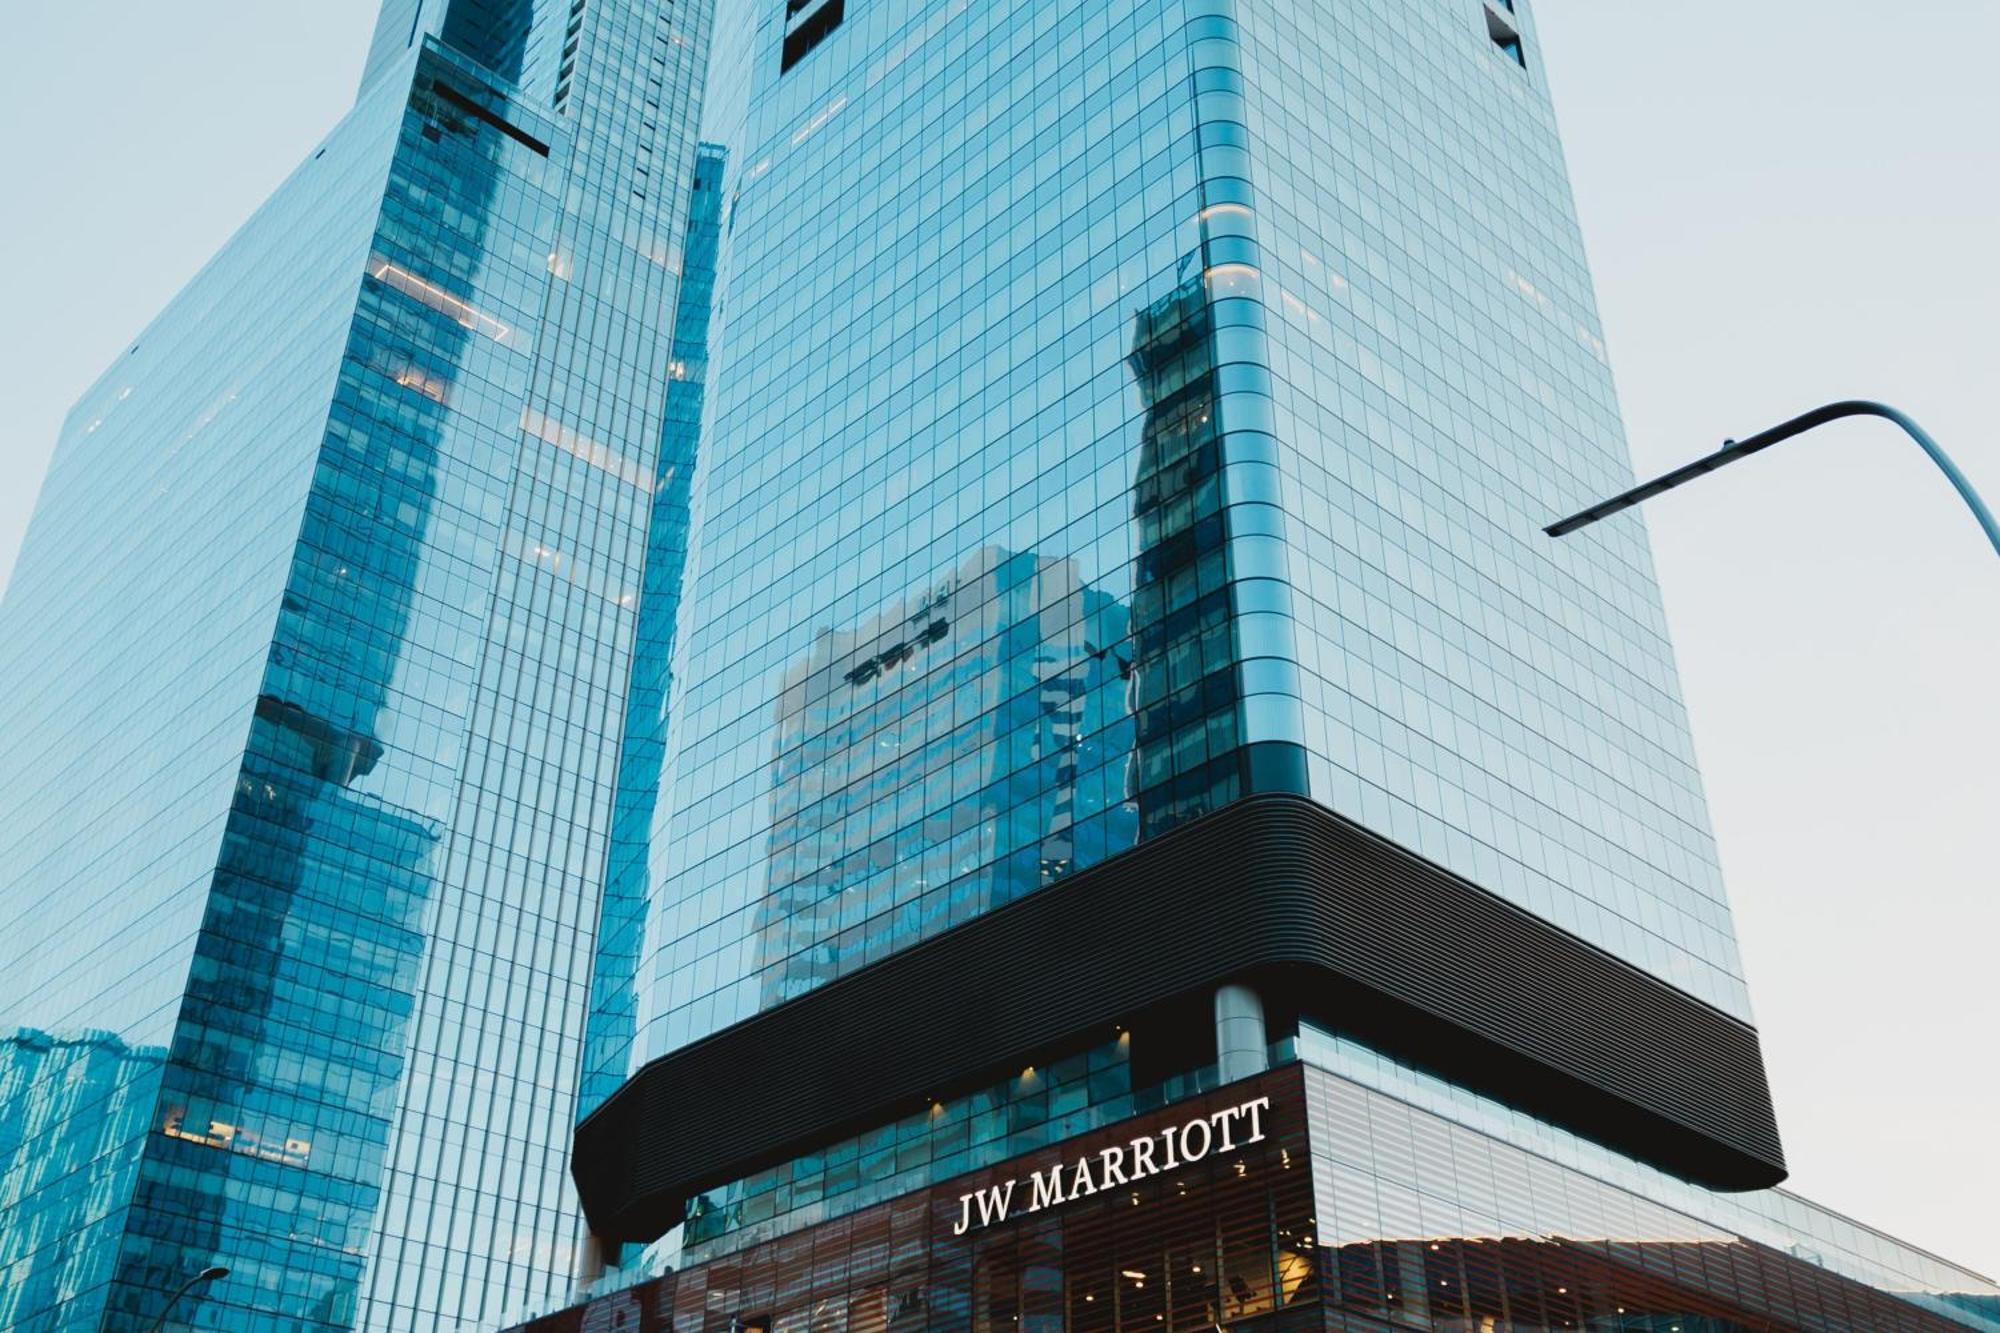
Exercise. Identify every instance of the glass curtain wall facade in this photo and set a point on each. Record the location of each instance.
(133, 669)
(1504, 705)
(642, 752)
(315, 666)
(1277, 330)
(1121, 410)
(966, 311)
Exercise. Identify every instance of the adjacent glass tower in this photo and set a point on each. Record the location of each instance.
(312, 677)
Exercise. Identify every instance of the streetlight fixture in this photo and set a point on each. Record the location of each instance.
(1732, 450)
(212, 1273)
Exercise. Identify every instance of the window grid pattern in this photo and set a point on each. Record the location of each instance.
(972, 387)
(395, 451)
(1504, 705)
(1425, 1222)
(964, 316)
(131, 670)
(1775, 1218)
(478, 1210)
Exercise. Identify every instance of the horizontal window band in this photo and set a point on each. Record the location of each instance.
(1328, 917)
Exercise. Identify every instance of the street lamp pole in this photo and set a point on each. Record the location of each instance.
(209, 1274)
(1732, 450)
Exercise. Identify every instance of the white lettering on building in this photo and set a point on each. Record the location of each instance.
(1120, 1164)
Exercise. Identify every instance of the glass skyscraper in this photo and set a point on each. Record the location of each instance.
(849, 665)
(312, 682)
(1024, 276)
(1119, 673)
(1275, 327)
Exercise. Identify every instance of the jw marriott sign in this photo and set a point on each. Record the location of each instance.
(1176, 1146)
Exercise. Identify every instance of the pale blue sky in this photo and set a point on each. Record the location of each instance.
(1785, 202)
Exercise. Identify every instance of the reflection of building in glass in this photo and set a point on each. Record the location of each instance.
(1184, 660)
(290, 1049)
(312, 678)
(72, 1110)
(1009, 672)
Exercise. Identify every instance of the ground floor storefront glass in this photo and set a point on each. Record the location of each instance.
(1299, 1199)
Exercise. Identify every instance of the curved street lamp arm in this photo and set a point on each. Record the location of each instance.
(208, 1274)
(1732, 450)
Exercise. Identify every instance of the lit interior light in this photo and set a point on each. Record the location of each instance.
(812, 126)
(577, 445)
(409, 377)
(399, 279)
(1233, 278)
